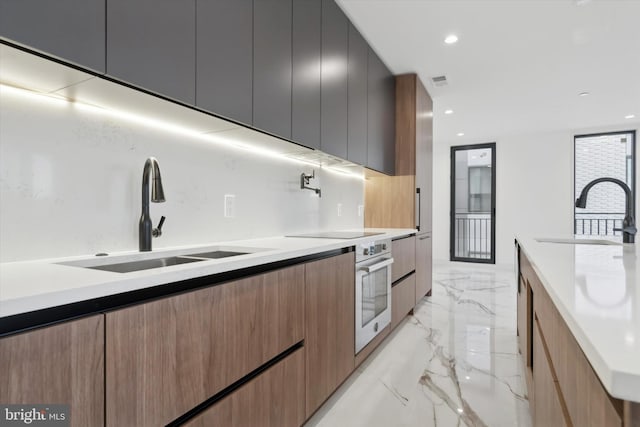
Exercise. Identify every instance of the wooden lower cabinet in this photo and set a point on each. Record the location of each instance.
(275, 398)
(403, 299)
(424, 265)
(60, 364)
(404, 257)
(330, 332)
(548, 410)
(165, 357)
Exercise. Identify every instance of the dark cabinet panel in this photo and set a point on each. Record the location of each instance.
(70, 29)
(357, 98)
(272, 66)
(381, 116)
(151, 44)
(305, 112)
(335, 43)
(224, 58)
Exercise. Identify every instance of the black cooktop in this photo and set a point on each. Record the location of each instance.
(337, 234)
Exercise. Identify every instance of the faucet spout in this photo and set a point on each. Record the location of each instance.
(628, 229)
(145, 229)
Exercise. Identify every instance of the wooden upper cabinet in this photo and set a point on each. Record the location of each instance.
(275, 398)
(73, 30)
(168, 356)
(424, 157)
(272, 66)
(60, 364)
(333, 117)
(305, 99)
(330, 326)
(357, 99)
(381, 147)
(224, 40)
(152, 44)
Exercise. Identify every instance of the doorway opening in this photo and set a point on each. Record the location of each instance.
(601, 155)
(473, 203)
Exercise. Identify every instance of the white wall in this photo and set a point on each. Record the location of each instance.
(534, 187)
(70, 184)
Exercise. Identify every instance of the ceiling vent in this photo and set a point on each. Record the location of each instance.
(439, 81)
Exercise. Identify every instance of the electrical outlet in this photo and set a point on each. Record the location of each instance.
(339, 209)
(229, 205)
(360, 210)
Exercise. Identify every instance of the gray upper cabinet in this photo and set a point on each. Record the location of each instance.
(335, 44)
(224, 58)
(381, 116)
(73, 30)
(272, 66)
(151, 44)
(357, 100)
(307, 42)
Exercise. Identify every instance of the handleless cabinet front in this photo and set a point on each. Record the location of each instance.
(165, 357)
(424, 265)
(333, 117)
(73, 30)
(357, 100)
(381, 116)
(152, 44)
(272, 62)
(224, 78)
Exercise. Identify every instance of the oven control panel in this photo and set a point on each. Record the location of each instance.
(372, 248)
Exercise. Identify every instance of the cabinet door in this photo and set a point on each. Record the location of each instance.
(357, 99)
(167, 356)
(335, 43)
(423, 266)
(403, 299)
(424, 156)
(273, 399)
(224, 57)
(381, 116)
(73, 30)
(548, 408)
(404, 257)
(272, 66)
(61, 364)
(522, 316)
(305, 112)
(152, 44)
(330, 326)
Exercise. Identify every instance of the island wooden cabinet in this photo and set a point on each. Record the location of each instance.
(168, 356)
(61, 364)
(275, 398)
(330, 332)
(563, 388)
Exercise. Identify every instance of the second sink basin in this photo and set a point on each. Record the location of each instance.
(579, 241)
(127, 267)
(217, 254)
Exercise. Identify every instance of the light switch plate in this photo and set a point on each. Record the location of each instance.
(229, 205)
(360, 210)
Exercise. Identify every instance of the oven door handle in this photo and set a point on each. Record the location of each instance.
(377, 266)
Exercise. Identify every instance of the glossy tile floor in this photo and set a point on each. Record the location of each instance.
(453, 363)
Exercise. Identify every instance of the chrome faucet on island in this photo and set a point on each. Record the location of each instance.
(145, 229)
(628, 229)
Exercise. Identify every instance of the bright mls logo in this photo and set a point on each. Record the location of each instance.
(34, 415)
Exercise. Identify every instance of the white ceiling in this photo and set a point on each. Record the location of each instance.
(518, 66)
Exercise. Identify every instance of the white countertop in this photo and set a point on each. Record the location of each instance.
(596, 289)
(35, 285)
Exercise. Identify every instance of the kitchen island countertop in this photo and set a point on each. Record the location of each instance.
(596, 290)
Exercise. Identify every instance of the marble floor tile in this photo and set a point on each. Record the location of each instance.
(454, 362)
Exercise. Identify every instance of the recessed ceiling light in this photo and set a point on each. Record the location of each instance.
(451, 39)
(448, 111)
(461, 134)
(630, 116)
(584, 94)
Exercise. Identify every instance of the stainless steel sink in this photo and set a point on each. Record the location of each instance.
(217, 254)
(579, 241)
(147, 264)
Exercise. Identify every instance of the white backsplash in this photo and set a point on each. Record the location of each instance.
(70, 184)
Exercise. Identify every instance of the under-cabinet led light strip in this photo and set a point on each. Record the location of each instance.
(155, 123)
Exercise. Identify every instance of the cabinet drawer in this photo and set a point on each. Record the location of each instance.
(167, 356)
(404, 257)
(275, 398)
(403, 299)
